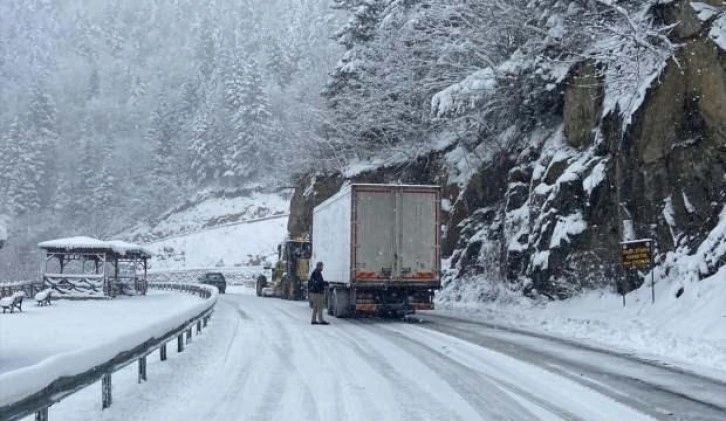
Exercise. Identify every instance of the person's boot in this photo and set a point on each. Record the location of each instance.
(314, 323)
(323, 323)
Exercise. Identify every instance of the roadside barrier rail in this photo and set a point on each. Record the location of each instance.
(39, 402)
(29, 287)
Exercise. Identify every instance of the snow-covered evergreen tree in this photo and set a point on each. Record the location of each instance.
(250, 119)
(42, 140)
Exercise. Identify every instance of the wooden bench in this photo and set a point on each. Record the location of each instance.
(43, 297)
(13, 302)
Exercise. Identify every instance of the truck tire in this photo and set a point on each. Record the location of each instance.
(340, 303)
(260, 284)
(328, 301)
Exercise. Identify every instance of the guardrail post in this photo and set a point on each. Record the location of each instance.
(180, 343)
(42, 415)
(199, 327)
(142, 369)
(206, 319)
(189, 334)
(106, 398)
(162, 352)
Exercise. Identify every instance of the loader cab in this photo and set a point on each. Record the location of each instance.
(288, 276)
(296, 255)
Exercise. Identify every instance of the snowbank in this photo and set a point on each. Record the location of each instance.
(43, 344)
(689, 330)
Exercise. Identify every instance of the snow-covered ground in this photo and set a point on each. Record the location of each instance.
(41, 344)
(688, 331)
(262, 360)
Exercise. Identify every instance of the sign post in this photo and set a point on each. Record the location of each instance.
(638, 254)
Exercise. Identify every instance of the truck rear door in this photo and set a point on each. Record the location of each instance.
(418, 240)
(374, 233)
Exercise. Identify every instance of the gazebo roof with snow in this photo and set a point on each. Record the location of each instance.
(87, 267)
(114, 249)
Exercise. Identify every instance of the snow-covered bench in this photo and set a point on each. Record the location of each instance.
(43, 297)
(13, 302)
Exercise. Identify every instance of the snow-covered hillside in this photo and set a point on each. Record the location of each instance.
(219, 232)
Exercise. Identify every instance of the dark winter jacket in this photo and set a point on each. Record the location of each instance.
(316, 284)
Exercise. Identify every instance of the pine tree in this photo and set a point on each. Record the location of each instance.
(250, 119)
(280, 65)
(103, 192)
(10, 145)
(205, 148)
(41, 143)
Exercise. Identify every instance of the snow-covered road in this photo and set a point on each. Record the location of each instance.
(262, 360)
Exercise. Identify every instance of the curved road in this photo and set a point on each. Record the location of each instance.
(262, 360)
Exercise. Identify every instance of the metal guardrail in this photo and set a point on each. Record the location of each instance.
(29, 287)
(39, 402)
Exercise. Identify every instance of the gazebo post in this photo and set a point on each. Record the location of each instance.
(115, 274)
(103, 274)
(145, 283)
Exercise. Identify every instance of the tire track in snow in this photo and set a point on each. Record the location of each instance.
(548, 390)
(285, 371)
(404, 390)
(494, 404)
(240, 374)
(626, 387)
(451, 371)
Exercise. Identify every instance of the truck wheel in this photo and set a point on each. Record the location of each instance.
(334, 303)
(340, 303)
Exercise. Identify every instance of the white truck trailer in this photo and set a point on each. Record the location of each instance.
(380, 247)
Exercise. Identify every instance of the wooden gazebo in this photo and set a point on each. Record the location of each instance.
(84, 267)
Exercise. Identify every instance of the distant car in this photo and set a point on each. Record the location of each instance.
(215, 279)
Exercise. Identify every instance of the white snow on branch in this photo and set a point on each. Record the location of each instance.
(464, 95)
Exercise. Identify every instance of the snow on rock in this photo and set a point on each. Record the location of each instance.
(704, 11)
(45, 343)
(687, 203)
(718, 31)
(596, 176)
(566, 227)
(630, 71)
(445, 205)
(464, 95)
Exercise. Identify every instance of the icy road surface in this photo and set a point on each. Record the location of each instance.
(262, 360)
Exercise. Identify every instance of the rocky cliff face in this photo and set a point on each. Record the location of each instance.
(546, 218)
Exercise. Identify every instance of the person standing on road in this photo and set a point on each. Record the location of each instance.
(316, 291)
